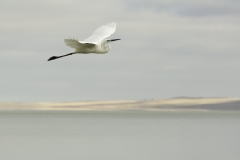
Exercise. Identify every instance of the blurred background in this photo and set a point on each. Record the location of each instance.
(168, 48)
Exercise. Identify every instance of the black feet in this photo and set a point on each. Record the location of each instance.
(52, 58)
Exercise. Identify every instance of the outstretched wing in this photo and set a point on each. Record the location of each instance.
(73, 43)
(101, 33)
(79, 46)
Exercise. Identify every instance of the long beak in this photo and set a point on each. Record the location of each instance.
(111, 40)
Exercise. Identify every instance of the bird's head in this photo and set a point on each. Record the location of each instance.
(106, 44)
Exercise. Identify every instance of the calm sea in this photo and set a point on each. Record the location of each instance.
(119, 135)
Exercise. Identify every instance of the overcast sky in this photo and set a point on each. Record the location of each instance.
(168, 48)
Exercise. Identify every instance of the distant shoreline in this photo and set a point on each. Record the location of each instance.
(180, 103)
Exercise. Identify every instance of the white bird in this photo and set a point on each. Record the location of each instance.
(96, 43)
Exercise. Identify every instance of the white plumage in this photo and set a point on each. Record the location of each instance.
(101, 33)
(96, 43)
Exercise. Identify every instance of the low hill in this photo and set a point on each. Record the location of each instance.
(181, 103)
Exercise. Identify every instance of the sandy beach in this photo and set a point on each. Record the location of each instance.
(165, 104)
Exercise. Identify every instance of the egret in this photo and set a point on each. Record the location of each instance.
(96, 43)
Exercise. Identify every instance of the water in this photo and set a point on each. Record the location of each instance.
(119, 135)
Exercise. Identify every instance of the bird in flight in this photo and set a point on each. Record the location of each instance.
(96, 43)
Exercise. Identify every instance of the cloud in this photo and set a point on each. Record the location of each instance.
(188, 8)
(167, 49)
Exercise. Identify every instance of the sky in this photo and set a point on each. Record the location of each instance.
(168, 48)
